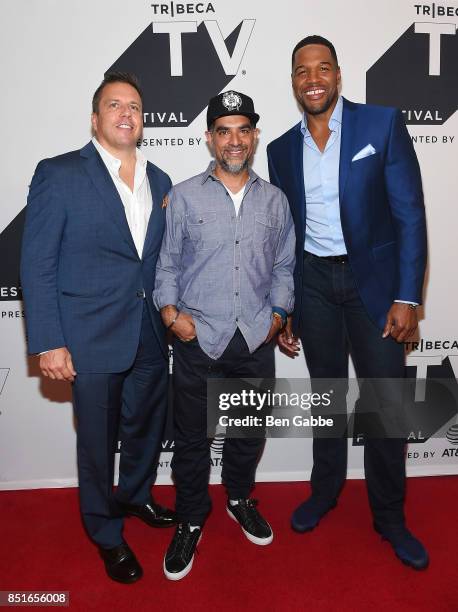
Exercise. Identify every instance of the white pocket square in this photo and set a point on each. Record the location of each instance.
(365, 152)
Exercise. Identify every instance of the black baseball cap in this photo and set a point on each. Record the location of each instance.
(230, 103)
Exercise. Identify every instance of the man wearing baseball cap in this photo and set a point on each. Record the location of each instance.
(224, 286)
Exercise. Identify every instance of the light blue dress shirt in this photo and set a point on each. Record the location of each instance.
(323, 233)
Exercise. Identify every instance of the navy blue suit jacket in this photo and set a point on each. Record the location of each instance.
(81, 275)
(381, 205)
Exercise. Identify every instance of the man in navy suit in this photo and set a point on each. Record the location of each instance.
(92, 235)
(353, 183)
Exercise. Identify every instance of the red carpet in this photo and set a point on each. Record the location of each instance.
(342, 565)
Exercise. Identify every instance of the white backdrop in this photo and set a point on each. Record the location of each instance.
(54, 54)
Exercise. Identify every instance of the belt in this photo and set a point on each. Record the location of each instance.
(331, 258)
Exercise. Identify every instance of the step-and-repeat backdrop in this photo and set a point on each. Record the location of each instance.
(54, 55)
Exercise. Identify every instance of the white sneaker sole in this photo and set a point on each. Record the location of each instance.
(184, 572)
(251, 537)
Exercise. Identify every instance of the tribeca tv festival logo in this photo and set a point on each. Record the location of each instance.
(181, 63)
(418, 73)
(434, 388)
(10, 255)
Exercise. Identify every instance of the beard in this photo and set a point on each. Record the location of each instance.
(233, 168)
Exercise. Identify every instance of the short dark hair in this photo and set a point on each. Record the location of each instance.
(314, 39)
(115, 77)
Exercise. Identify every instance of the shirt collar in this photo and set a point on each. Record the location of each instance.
(334, 121)
(113, 162)
(209, 173)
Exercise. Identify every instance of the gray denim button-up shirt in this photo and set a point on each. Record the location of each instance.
(226, 270)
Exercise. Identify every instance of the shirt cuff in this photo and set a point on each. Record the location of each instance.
(280, 311)
(165, 297)
(406, 302)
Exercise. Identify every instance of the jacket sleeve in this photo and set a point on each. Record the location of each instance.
(405, 197)
(41, 242)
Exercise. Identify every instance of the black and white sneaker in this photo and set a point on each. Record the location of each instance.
(253, 525)
(180, 553)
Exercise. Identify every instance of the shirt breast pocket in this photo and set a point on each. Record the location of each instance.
(203, 230)
(266, 229)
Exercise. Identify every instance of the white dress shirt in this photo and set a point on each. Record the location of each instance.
(138, 203)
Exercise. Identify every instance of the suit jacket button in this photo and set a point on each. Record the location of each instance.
(141, 293)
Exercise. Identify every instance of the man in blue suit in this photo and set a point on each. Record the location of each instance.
(92, 235)
(353, 183)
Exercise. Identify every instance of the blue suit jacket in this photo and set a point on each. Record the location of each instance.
(81, 275)
(381, 205)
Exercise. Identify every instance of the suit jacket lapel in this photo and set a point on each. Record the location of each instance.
(297, 173)
(346, 144)
(156, 220)
(109, 195)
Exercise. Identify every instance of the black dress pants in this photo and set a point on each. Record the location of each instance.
(191, 459)
(334, 324)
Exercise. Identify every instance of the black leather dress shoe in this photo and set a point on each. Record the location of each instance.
(151, 513)
(121, 564)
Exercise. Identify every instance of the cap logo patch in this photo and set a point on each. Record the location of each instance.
(231, 100)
